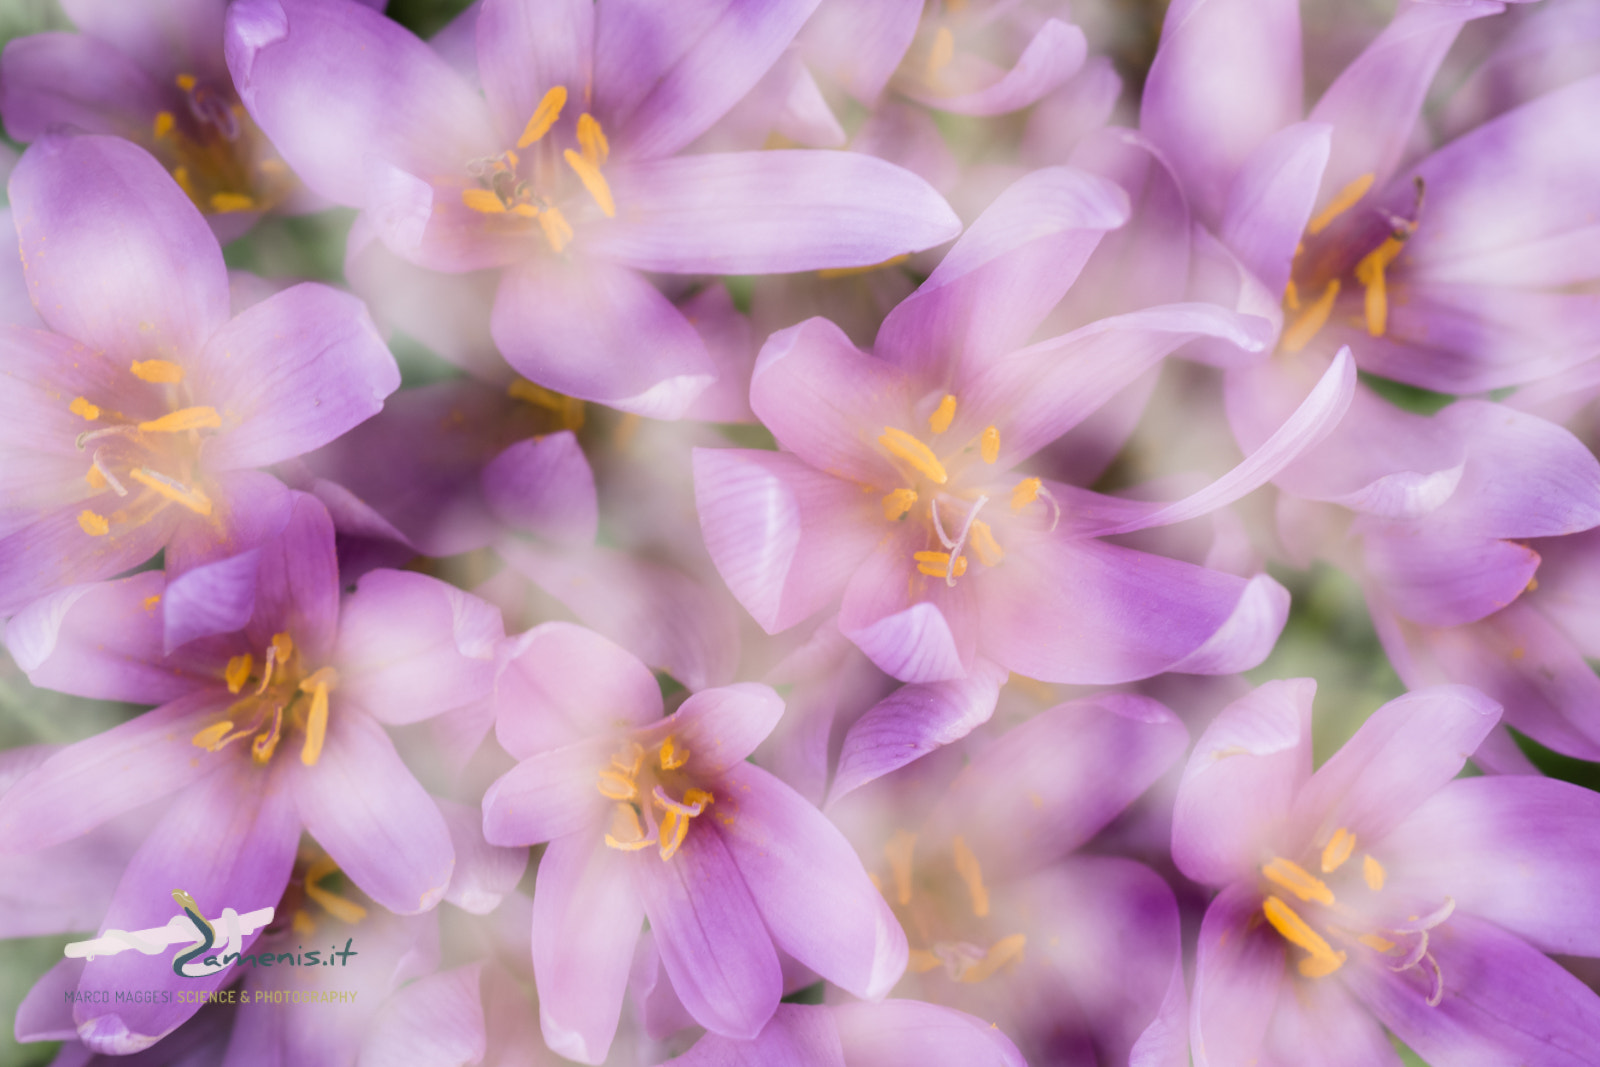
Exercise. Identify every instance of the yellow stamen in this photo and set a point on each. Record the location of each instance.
(199, 418)
(92, 524)
(347, 911)
(1000, 953)
(626, 832)
(181, 176)
(512, 159)
(1323, 960)
(303, 923)
(592, 180)
(1024, 493)
(1291, 296)
(1372, 871)
(983, 543)
(225, 202)
(827, 273)
(211, 737)
(1370, 273)
(1342, 201)
(193, 499)
(557, 232)
(1382, 944)
(283, 646)
(527, 211)
(943, 415)
(238, 671)
(1297, 880)
(697, 796)
(185, 82)
(316, 724)
(484, 201)
(592, 140)
(672, 757)
(972, 874)
(617, 787)
(157, 371)
(942, 52)
(83, 409)
(163, 124)
(937, 564)
(1311, 320)
(1338, 849)
(266, 743)
(95, 478)
(544, 116)
(903, 446)
(897, 504)
(674, 828)
(989, 444)
(921, 961)
(629, 758)
(899, 850)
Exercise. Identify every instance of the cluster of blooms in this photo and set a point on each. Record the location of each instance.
(737, 626)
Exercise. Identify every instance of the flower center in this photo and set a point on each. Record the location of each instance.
(530, 187)
(944, 907)
(282, 698)
(646, 812)
(215, 153)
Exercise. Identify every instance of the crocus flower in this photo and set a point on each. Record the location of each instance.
(135, 424)
(565, 175)
(900, 492)
(1378, 890)
(261, 733)
(663, 818)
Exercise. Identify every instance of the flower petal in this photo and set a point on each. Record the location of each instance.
(437, 1019)
(720, 727)
(912, 626)
(562, 683)
(526, 49)
(74, 81)
(549, 794)
(214, 598)
(485, 874)
(1237, 976)
(1054, 54)
(544, 486)
(1270, 202)
(909, 1033)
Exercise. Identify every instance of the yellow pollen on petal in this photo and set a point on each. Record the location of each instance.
(1311, 321)
(544, 116)
(937, 564)
(557, 231)
(347, 911)
(186, 82)
(1338, 849)
(238, 671)
(1342, 201)
(197, 418)
(984, 544)
(92, 524)
(1373, 941)
(942, 52)
(589, 174)
(1370, 273)
(1000, 953)
(672, 757)
(1025, 492)
(83, 409)
(626, 833)
(1323, 960)
(149, 603)
(972, 874)
(1372, 872)
(163, 124)
(316, 725)
(211, 737)
(989, 444)
(156, 371)
(1296, 879)
(943, 415)
(592, 140)
(222, 203)
(484, 201)
(899, 851)
(616, 786)
(193, 499)
(898, 504)
(903, 446)
(921, 961)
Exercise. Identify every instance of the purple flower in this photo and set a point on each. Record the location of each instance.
(568, 177)
(662, 818)
(1378, 890)
(135, 424)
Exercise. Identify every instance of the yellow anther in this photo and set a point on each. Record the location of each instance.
(674, 828)
(943, 415)
(1296, 879)
(1372, 871)
(629, 758)
(898, 503)
(557, 231)
(983, 543)
(972, 874)
(347, 911)
(157, 371)
(222, 203)
(302, 923)
(827, 273)
(1373, 941)
(1024, 493)
(186, 82)
(198, 418)
(316, 723)
(97, 480)
(1370, 273)
(1291, 296)
(211, 737)
(589, 174)
(163, 124)
(1000, 953)
(899, 850)
(1311, 321)
(266, 742)
(527, 211)
(92, 524)
(1323, 959)
(903, 446)
(592, 140)
(193, 499)
(921, 961)
(238, 671)
(1338, 849)
(83, 409)
(181, 176)
(544, 116)
(698, 796)
(942, 52)
(937, 564)
(626, 833)
(482, 200)
(617, 786)
(672, 757)
(1342, 201)
(989, 444)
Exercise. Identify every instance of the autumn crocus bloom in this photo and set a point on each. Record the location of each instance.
(1378, 890)
(261, 734)
(135, 424)
(662, 818)
(565, 175)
